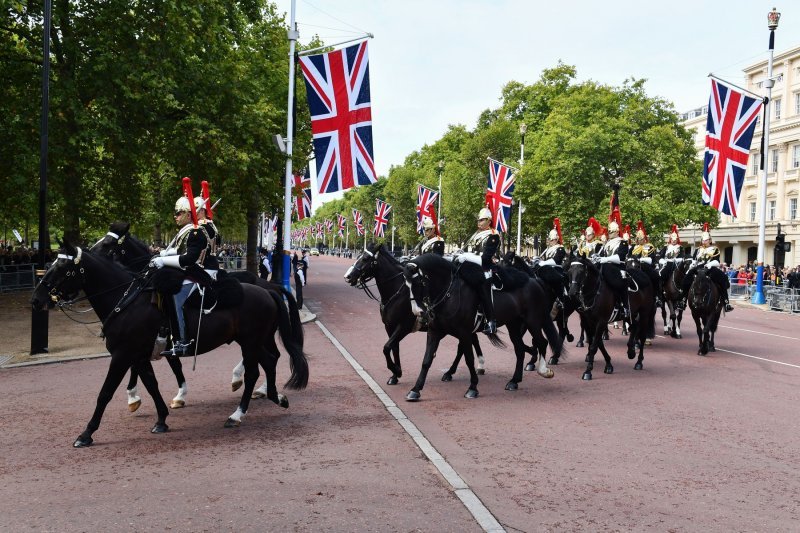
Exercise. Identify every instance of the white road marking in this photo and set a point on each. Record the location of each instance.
(482, 515)
(761, 333)
(750, 356)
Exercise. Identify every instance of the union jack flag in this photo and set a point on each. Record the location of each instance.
(320, 230)
(341, 221)
(358, 220)
(498, 194)
(337, 87)
(328, 225)
(382, 210)
(301, 191)
(425, 200)
(729, 132)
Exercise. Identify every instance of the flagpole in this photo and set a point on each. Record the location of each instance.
(758, 295)
(292, 35)
(522, 129)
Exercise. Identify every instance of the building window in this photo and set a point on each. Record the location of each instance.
(777, 108)
(774, 165)
(792, 208)
(756, 163)
(752, 211)
(771, 210)
(797, 103)
(796, 156)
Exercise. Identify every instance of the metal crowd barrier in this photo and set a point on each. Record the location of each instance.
(17, 277)
(740, 292)
(783, 299)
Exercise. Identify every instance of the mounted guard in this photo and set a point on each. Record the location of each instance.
(644, 252)
(708, 255)
(431, 241)
(612, 258)
(186, 252)
(591, 245)
(482, 249)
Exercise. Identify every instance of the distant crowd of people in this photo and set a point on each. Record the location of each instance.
(746, 275)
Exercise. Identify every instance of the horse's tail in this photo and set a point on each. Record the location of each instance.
(496, 341)
(294, 314)
(293, 342)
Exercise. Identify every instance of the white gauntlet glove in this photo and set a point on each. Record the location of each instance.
(170, 261)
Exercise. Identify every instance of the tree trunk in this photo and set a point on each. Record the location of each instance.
(252, 238)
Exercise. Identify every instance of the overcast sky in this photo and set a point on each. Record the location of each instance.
(440, 62)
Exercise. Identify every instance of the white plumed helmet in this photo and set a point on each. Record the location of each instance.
(484, 213)
(199, 203)
(182, 204)
(427, 223)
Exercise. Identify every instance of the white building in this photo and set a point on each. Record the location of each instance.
(737, 238)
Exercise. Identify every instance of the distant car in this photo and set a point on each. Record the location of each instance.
(314, 251)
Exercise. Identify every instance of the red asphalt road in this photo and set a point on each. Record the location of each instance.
(688, 444)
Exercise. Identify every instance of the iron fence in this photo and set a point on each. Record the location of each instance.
(17, 277)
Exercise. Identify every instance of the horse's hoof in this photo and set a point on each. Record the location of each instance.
(447, 377)
(530, 367)
(177, 404)
(678, 336)
(283, 401)
(132, 407)
(547, 375)
(553, 361)
(608, 370)
(570, 337)
(159, 427)
(471, 394)
(587, 376)
(648, 342)
(712, 349)
(82, 442)
(624, 333)
(392, 380)
(413, 396)
(257, 395)
(481, 371)
(236, 385)
(631, 354)
(511, 386)
(638, 366)
(579, 345)
(231, 423)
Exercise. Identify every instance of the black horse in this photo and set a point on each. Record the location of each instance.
(596, 303)
(673, 278)
(451, 302)
(706, 304)
(131, 322)
(377, 263)
(134, 255)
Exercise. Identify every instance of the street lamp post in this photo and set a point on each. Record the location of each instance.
(522, 129)
(773, 17)
(439, 205)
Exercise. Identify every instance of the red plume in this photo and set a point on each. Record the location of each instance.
(595, 225)
(640, 227)
(557, 225)
(675, 231)
(187, 191)
(206, 194)
(432, 214)
(627, 230)
(705, 226)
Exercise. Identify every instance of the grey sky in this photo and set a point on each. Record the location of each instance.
(440, 62)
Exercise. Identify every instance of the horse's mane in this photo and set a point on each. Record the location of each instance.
(382, 251)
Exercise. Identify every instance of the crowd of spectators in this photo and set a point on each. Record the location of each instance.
(779, 277)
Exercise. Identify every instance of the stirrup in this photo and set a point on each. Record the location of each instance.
(728, 307)
(178, 349)
(491, 327)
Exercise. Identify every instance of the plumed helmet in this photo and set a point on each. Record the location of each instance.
(484, 213)
(199, 203)
(427, 223)
(641, 234)
(673, 234)
(706, 235)
(555, 233)
(613, 229)
(592, 228)
(626, 232)
(182, 204)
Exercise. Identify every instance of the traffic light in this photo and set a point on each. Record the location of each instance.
(780, 245)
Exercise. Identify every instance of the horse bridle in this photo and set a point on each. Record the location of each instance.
(428, 306)
(362, 280)
(581, 299)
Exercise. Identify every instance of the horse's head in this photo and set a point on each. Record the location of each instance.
(111, 243)
(632, 262)
(63, 279)
(363, 269)
(700, 293)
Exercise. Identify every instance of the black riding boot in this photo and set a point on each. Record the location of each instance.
(488, 308)
(728, 306)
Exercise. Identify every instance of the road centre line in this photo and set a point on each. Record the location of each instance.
(482, 515)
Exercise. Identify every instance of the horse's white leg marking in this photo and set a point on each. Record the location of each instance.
(237, 416)
(481, 361)
(260, 392)
(541, 368)
(238, 376)
(180, 399)
(134, 401)
(416, 309)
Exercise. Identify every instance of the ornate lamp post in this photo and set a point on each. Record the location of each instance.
(773, 17)
(439, 206)
(522, 129)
